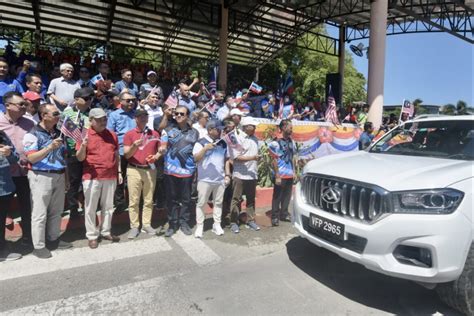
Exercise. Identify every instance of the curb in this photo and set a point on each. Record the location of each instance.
(263, 203)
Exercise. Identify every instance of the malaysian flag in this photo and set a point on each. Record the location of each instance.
(172, 100)
(70, 129)
(331, 111)
(213, 80)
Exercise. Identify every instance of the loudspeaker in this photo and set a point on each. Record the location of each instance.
(334, 81)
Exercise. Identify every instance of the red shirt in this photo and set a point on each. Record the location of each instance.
(100, 162)
(151, 143)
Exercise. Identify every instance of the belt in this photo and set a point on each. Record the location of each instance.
(50, 171)
(139, 166)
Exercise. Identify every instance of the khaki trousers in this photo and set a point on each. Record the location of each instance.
(140, 181)
(95, 190)
(47, 204)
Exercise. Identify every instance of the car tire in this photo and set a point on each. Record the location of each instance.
(459, 293)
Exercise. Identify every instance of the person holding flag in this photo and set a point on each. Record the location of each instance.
(98, 152)
(77, 113)
(331, 111)
(45, 151)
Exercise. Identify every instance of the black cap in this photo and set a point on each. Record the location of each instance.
(84, 92)
(140, 112)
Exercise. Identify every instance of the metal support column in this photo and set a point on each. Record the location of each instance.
(378, 29)
(223, 39)
(342, 56)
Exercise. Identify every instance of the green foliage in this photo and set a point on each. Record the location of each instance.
(460, 108)
(309, 71)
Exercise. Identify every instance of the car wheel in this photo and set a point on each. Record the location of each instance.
(459, 293)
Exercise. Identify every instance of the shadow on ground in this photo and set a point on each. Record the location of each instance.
(355, 282)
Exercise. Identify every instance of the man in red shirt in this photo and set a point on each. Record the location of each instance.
(140, 148)
(99, 154)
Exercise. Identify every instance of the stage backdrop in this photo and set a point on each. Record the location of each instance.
(315, 139)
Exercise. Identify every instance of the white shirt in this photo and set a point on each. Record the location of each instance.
(34, 118)
(245, 170)
(222, 113)
(202, 130)
(153, 113)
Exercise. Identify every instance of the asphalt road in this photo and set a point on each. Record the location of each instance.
(270, 272)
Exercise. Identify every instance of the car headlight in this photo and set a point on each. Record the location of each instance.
(436, 201)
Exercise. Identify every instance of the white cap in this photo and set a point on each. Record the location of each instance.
(248, 121)
(236, 112)
(151, 72)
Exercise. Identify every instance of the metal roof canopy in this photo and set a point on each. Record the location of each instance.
(258, 29)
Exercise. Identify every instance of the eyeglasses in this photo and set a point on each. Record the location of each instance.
(129, 100)
(21, 104)
(180, 114)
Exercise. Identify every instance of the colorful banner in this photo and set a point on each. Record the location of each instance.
(314, 139)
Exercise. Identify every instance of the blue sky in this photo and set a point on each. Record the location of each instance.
(435, 67)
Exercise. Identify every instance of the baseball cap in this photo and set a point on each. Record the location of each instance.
(214, 124)
(97, 113)
(31, 96)
(236, 112)
(248, 121)
(84, 92)
(140, 112)
(151, 72)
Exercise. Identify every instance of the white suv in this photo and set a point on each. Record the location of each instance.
(404, 207)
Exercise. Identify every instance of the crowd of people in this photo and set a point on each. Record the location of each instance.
(89, 146)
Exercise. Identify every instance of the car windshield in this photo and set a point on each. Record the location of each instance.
(441, 139)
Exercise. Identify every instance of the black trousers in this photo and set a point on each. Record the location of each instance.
(74, 170)
(24, 201)
(179, 200)
(120, 200)
(4, 205)
(159, 194)
(281, 198)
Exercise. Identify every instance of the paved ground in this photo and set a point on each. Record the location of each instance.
(271, 272)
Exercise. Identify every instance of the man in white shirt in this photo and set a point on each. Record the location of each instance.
(61, 90)
(200, 125)
(245, 174)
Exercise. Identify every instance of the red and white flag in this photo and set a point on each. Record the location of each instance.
(331, 111)
(172, 100)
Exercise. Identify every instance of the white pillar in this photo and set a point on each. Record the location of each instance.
(223, 39)
(342, 56)
(378, 31)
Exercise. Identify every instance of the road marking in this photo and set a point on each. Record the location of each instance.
(80, 257)
(133, 298)
(196, 249)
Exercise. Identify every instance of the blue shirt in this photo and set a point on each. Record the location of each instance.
(8, 85)
(283, 151)
(44, 82)
(37, 139)
(132, 87)
(6, 183)
(365, 140)
(120, 122)
(187, 102)
(179, 160)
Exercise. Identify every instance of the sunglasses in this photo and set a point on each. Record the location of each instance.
(180, 114)
(56, 113)
(129, 100)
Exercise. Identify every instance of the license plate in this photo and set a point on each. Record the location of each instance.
(326, 226)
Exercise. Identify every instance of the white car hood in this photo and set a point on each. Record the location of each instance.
(393, 172)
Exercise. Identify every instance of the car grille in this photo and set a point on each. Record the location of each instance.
(353, 242)
(358, 201)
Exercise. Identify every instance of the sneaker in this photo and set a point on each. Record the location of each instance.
(253, 226)
(6, 255)
(148, 230)
(42, 253)
(199, 230)
(133, 233)
(285, 218)
(169, 232)
(217, 229)
(186, 229)
(275, 222)
(58, 244)
(234, 228)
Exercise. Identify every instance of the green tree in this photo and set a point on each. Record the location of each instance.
(448, 109)
(461, 108)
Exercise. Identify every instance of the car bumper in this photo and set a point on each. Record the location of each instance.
(448, 237)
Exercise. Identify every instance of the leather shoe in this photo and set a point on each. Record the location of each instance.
(111, 238)
(275, 222)
(93, 243)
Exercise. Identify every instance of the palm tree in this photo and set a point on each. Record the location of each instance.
(417, 105)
